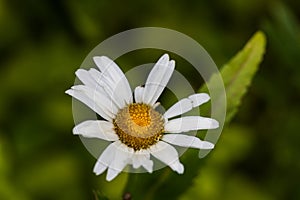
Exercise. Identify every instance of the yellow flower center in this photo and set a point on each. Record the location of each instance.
(139, 126)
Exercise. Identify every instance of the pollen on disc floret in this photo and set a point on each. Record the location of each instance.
(139, 126)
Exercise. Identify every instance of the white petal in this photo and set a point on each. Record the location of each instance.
(158, 79)
(186, 104)
(182, 106)
(138, 94)
(123, 156)
(97, 101)
(96, 129)
(168, 155)
(148, 165)
(111, 174)
(142, 158)
(187, 141)
(164, 81)
(115, 90)
(189, 123)
(105, 159)
(199, 99)
(109, 87)
(89, 78)
(110, 69)
(86, 78)
(79, 95)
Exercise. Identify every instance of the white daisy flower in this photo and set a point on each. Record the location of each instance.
(134, 128)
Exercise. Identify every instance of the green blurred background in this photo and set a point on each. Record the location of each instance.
(42, 43)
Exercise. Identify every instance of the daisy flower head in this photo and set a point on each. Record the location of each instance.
(135, 129)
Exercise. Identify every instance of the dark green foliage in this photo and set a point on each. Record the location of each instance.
(42, 43)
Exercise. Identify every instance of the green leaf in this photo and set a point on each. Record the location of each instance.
(237, 75)
(100, 196)
(214, 175)
(113, 189)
